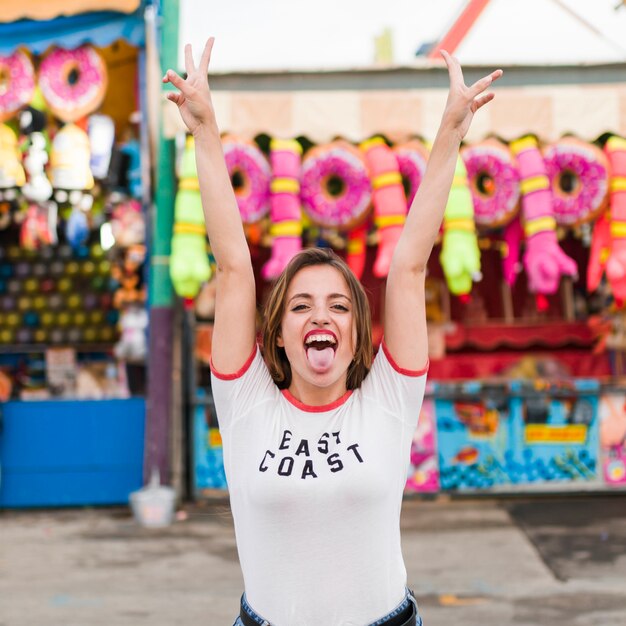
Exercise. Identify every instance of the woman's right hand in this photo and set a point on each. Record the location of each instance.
(194, 97)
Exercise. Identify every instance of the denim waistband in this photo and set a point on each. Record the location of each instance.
(408, 599)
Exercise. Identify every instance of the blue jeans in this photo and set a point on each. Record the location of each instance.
(408, 598)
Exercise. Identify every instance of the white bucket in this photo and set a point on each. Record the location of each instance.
(153, 505)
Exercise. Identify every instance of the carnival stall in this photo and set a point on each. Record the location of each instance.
(524, 287)
(72, 250)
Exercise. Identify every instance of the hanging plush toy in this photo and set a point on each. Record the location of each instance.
(128, 225)
(36, 230)
(40, 223)
(286, 229)
(72, 179)
(132, 152)
(356, 249)
(77, 228)
(615, 149)
(189, 263)
(70, 159)
(599, 252)
(460, 255)
(11, 170)
(544, 260)
(11, 173)
(132, 345)
(101, 131)
(37, 188)
(390, 205)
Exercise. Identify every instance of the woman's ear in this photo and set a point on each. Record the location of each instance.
(279, 340)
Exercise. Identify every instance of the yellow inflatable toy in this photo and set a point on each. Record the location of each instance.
(460, 255)
(189, 262)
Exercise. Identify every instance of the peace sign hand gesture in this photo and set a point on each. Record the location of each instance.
(194, 97)
(464, 101)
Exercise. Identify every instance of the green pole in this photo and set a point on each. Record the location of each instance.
(161, 295)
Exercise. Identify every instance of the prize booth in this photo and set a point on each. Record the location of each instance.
(72, 248)
(524, 287)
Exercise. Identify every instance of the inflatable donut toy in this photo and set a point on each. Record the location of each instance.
(494, 182)
(73, 82)
(579, 175)
(250, 175)
(412, 159)
(335, 186)
(17, 83)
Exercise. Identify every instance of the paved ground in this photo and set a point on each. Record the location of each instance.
(541, 562)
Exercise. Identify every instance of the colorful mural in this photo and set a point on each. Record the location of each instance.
(208, 455)
(613, 438)
(521, 433)
(473, 435)
(423, 475)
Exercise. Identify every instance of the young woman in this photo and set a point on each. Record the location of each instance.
(317, 437)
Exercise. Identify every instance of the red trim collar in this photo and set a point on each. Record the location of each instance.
(315, 409)
(240, 372)
(399, 369)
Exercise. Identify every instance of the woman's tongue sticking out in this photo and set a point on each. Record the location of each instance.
(320, 358)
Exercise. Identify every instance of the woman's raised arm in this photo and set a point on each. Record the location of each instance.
(405, 315)
(235, 332)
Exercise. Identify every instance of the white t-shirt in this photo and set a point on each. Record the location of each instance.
(316, 492)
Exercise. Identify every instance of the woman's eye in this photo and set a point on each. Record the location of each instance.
(299, 307)
(340, 307)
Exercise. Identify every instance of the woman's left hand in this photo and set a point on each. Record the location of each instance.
(464, 101)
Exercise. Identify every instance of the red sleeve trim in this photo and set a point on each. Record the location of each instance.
(240, 372)
(402, 370)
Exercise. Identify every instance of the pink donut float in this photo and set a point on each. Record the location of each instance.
(335, 186)
(250, 175)
(494, 182)
(579, 175)
(412, 159)
(17, 83)
(73, 82)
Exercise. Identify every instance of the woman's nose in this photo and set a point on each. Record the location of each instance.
(320, 317)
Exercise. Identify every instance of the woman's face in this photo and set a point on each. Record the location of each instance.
(317, 330)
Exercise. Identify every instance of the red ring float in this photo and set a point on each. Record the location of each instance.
(73, 82)
(579, 175)
(17, 83)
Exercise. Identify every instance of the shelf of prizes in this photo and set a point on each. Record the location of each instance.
(72, 288)
(524, 296)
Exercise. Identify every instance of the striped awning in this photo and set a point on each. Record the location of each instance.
(49, 9)
(100, 28)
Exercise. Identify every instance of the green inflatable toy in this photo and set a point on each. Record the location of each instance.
(460, 255)
(189, 263)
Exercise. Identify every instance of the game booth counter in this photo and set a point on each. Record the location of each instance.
(72, 249)
(525, 287)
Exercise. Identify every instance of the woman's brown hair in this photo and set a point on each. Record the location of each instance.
(276, 358)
